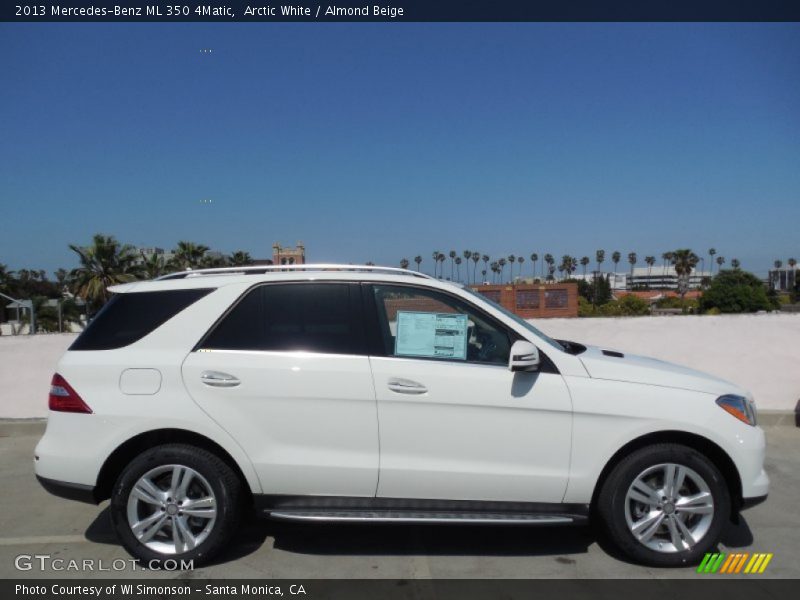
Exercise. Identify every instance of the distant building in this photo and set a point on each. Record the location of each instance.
(662, 278)
(288, 256)
(146, 253)
(783, 279)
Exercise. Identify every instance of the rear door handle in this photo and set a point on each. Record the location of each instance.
(406, 386)
(219, 379)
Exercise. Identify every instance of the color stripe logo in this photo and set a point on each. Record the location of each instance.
(742, 562)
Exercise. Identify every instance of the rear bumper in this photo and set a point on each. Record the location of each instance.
(70, 491)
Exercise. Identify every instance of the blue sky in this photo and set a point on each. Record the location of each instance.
(382, 141)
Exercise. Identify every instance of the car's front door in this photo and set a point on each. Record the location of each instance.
(455, 422)
(286, 374)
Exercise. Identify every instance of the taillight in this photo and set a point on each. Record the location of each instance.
(63, 398)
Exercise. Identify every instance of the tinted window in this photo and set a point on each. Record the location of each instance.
(129, 317)
(484, 340)
(308, 317)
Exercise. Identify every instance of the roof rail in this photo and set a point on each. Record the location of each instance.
(262, 269)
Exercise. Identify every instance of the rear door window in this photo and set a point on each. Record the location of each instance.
(310, 317)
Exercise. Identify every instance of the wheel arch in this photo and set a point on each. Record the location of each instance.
(703, 445)
(129, 449)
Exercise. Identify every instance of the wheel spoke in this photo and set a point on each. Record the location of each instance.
(698, 504)
(145, 529)
(685, 532)
(181, 478)
(646, 527)
(183, 533)
(200, 507)
(146, 491)
(675, 535)
(642, 492)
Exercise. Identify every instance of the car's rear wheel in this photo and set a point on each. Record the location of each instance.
(664, 505)
(176, 502)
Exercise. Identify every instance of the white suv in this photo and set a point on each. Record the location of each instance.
(341, 393)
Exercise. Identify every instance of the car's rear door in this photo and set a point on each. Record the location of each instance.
(286, 374)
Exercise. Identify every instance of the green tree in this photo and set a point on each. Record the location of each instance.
(403, 263)
(615, 258)
(187, 255)
(105, 262)
(735, 263)
(452, 263)
(476, 256)
(684, 261)
(711, 253)
(467, 255)
(240, 258)
(534, 260)
(418, 260)
(735, 291)
(458, 267)
(585, 260)
(153, 266)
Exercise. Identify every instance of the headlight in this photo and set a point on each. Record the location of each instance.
(739, 406)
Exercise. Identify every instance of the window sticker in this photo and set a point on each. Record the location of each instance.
(435, 335)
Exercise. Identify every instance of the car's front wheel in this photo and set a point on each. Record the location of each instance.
(176, 502)
(664, 505)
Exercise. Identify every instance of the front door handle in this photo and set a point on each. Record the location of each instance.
(406, 386)
(218, 379)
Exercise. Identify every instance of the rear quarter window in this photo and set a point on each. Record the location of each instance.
(127, 318)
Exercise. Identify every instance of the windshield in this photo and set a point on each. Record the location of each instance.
(518, 319)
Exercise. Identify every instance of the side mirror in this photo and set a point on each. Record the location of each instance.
(524, 357)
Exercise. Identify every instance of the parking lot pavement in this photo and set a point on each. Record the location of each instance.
(34, 523)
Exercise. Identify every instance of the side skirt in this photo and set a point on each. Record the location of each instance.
(338, 509)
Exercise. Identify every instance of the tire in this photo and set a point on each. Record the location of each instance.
(184, 477)
(701, 507)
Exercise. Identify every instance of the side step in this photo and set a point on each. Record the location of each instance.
(437, 517)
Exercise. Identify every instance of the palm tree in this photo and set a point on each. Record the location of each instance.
(720, 262)
(615, 258)
(684, 260)
(458, 267)
(632, 260)
(452, 260)
(104, 263)
(467, 255)
(403, 263)
(418, 260)
(485, 258)
(550, 260)
(435, 257)
(511, 260)
(667, 256)
(442, 258)
(502, 263)
(711, 253)
(550, 270)
(240, 258)
(584, 263)
(792, 262)
(600, 257)
(650, 261)
(520, 260)
(534, 259)
(476, 256)
(187, 255)
(153, 267)
(735, 263)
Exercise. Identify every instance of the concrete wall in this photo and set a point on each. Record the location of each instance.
(759, 352)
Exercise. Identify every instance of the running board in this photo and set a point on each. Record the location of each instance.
(437, 517)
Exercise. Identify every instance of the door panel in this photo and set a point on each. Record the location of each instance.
(307, 421)
(477, 433)
(285, 372)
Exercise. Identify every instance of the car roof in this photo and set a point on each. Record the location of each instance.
(218, 277)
